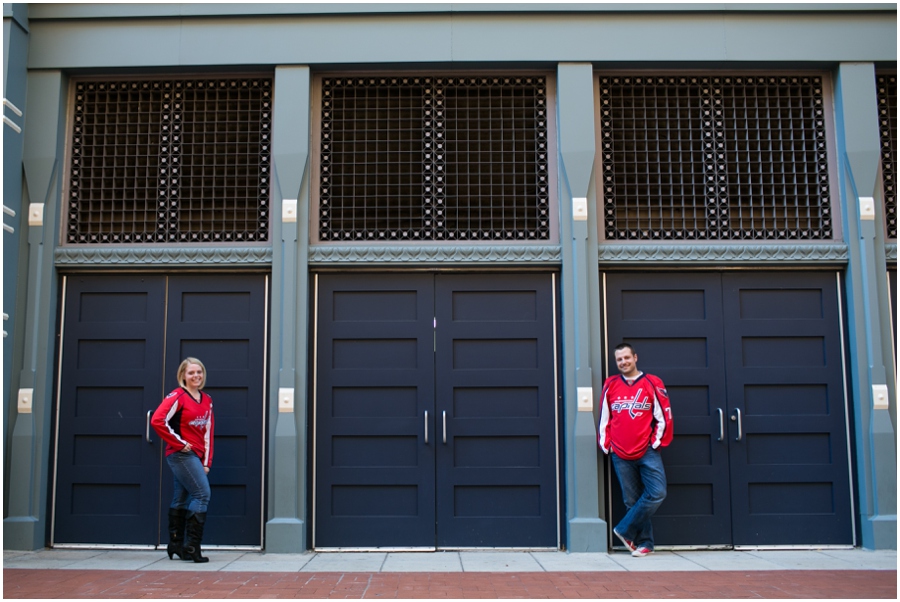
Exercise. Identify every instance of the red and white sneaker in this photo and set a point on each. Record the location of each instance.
(642, 551)
(628, 543)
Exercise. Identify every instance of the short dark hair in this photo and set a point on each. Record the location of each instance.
(622, 346)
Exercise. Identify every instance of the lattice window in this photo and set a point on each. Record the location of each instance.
(887, 121)
(434, 158)
(170, 160)
(714, 157)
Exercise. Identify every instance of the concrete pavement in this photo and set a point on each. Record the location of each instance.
(774, 574)
(466, 561)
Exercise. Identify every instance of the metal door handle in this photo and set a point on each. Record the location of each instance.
(147, 434)
(737, 418)
(426, 427)
(445, 426)
(721, 425)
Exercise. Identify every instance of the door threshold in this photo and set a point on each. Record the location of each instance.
(759, 548)
(433, 550)
(811, 546)
(375, 549)
(148, 548)
(677, 548)
(489, 549)
(101, 546)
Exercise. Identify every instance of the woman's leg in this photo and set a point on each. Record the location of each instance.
(189, 472)
(192, 479)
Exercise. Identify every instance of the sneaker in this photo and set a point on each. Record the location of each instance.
(641, 552)
(628, 543)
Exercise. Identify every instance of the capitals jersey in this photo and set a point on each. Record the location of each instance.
(181, 419)
(633, 416)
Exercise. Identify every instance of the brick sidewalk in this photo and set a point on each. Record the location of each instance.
(55, 583)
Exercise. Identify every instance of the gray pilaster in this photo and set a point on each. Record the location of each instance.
(575, 93)
(868, 302)
(25, 526)
(286, 529)
(15, 56)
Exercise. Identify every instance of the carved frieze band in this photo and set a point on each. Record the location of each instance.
(477, 254)
(890, 252)
(835, 253)
(155, 256)
(473, 254)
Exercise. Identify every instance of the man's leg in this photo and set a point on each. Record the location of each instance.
(653, 478)
(630, 480)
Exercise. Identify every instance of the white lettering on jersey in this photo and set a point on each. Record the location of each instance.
(631, 405)
(200, 422)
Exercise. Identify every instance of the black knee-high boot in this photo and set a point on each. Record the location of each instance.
(176, 532)
(195, 524)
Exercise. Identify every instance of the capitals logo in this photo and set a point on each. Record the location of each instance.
(633, 406)
(201, 421)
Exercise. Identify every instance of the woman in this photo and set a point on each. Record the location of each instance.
(184, 420)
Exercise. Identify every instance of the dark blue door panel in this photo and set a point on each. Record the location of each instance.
(675, 323)
(220, 319)
(789, 464)
(892, 281)
(107, 489)
(480, 384)
(765, 349)
(496, 406)
(374, 465)
(113, 485)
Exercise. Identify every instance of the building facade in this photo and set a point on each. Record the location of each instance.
(404, 237)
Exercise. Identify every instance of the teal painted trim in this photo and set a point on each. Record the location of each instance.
(29, 460)
(824, 254)
(432, 255)
(127, 10)
(286, 526)
(18, 12)
(867, 299)
(154, 257)
(576, 110)
(15, 54)
(779, 38)
(585, 530)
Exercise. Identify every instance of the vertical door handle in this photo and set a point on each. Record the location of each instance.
(426, 427)
(444, 413)
(721, 425)
(147, 434)
(737, 418)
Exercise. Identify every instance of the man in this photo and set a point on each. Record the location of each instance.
(635, 421)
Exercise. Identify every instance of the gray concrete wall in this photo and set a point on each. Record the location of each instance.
(544, 39)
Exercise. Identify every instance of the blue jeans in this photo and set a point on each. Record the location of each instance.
(190, 482)
(644, 489)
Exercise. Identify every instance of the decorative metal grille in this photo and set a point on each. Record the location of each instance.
(887, 121)
(170, 160)
(714, 157)
(434, 158)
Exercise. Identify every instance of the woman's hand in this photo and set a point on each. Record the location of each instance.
(206, 468)
(186, 448)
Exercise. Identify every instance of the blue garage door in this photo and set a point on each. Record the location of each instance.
(753, 365)
(123, 338)
(435, 411)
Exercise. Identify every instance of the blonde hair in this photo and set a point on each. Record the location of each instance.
(182, 368)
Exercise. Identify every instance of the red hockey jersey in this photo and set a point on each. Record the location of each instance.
(633, 416)
(181, 419)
